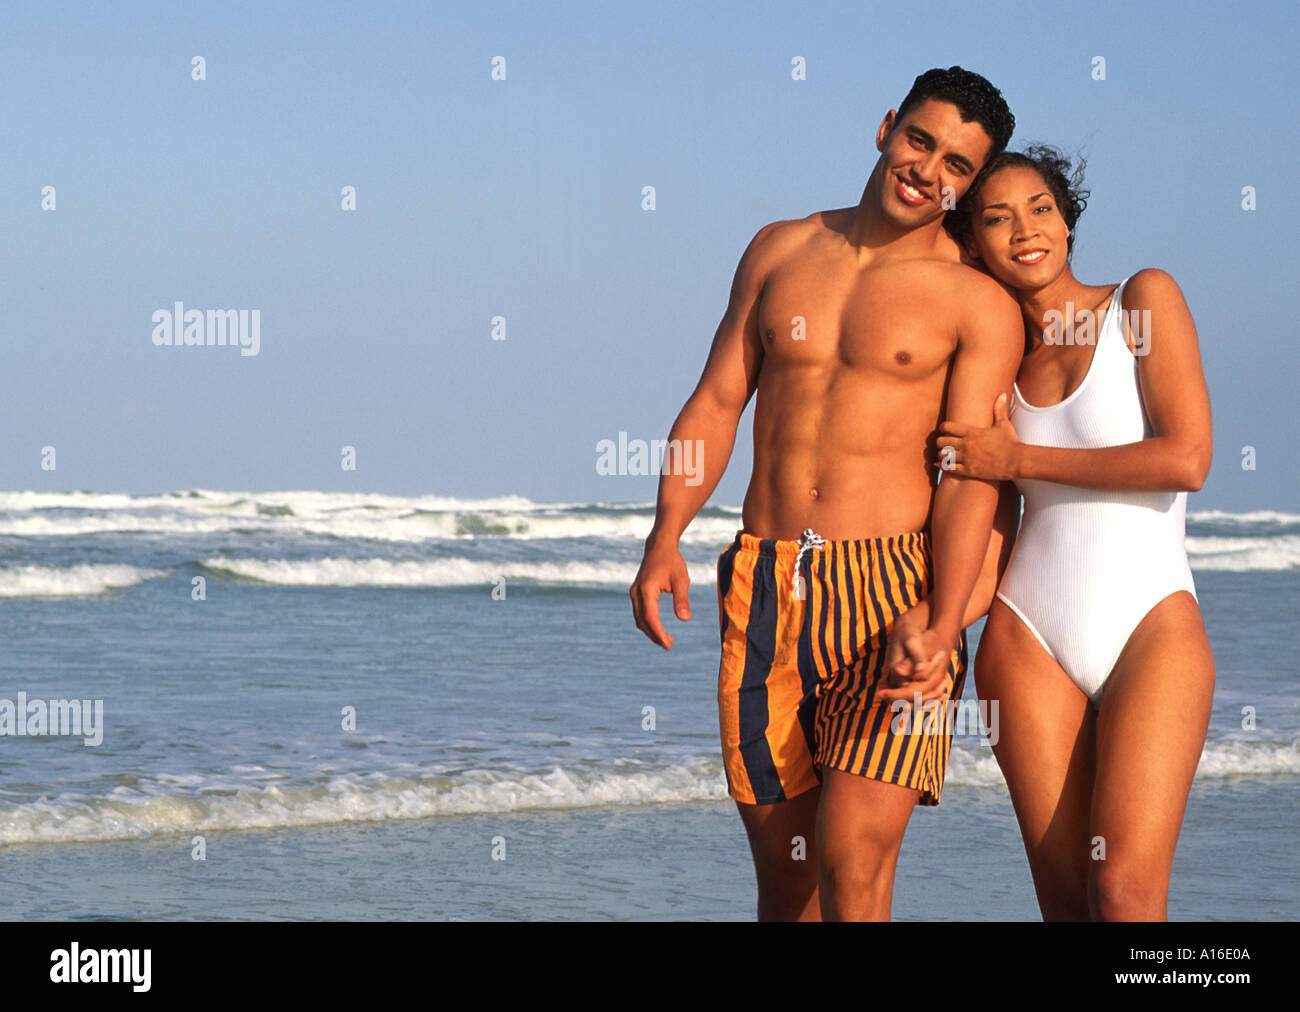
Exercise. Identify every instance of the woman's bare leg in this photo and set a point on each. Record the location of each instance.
(1150, 732)
(1045, 738)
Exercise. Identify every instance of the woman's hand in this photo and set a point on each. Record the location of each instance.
(916, 661)
(990, 453)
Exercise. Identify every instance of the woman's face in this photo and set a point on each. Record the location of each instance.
(1018, 230)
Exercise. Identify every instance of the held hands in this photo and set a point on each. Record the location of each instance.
(663, 570)
(991, 453)
(916, 660)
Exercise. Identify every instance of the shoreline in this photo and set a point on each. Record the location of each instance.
(962, 861)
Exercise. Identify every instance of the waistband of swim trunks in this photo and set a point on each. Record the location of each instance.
(907, 541)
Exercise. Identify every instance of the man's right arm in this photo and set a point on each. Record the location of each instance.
(908, 669)
(708, 424)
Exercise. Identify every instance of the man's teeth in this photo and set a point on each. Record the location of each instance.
(913, 193)
(1031, 257)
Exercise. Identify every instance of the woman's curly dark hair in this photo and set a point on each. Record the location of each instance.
(1064, 179)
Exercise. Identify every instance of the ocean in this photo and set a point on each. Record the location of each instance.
(316, 705)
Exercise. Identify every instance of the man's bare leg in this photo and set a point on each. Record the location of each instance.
(860, 826)
(782, 838)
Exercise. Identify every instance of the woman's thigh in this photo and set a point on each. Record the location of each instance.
(1044, 739)
(1154, 714)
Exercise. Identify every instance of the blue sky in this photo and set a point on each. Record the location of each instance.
(522, 198)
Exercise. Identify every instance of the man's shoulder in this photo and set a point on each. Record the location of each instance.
(780, 238)
(979, 292)
(980, 305)
(972, 283)
(774, 245)
(953, 285)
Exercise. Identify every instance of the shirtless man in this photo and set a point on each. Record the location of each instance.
(860, 330)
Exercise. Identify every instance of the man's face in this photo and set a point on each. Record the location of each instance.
(924, 153)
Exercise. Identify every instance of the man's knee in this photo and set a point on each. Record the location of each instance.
(776, 861)
(856, 868)
(865, 864)
(857, 887)
(783, 845)
(787, 879)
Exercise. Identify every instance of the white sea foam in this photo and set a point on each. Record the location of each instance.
(306, 501)
(1219, 760)
(1257, 544)
(1243, 758)
(70, 581)
(1241, 555)
(130, 813)
(156, 805)
(973, 767)
(451, 572)
(1250, 517)
(353, 516)
(53, 525)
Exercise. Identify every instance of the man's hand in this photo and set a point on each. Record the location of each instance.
(989, 453)
(663, 570)
(916, 660)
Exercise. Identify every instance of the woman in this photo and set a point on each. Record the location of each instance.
(1094, 645)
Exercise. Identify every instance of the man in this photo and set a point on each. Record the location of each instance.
(860, 331)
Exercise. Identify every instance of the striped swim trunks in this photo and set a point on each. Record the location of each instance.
(804, 628)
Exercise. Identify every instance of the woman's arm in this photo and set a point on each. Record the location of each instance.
(1175, 458)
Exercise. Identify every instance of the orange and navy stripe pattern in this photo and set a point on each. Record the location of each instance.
(800, 668)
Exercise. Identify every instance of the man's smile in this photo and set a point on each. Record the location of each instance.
(910, 195)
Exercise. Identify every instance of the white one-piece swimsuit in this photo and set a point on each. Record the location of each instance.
(1088, 565)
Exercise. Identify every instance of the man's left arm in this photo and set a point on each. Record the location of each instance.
(989, 346)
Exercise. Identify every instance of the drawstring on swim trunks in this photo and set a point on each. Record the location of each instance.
(807, 542)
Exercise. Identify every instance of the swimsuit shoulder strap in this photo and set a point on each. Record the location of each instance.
(1114, 314)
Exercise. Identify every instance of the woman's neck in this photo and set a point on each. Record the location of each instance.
(1059, 300)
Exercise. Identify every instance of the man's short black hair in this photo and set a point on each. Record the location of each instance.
(974, 97)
